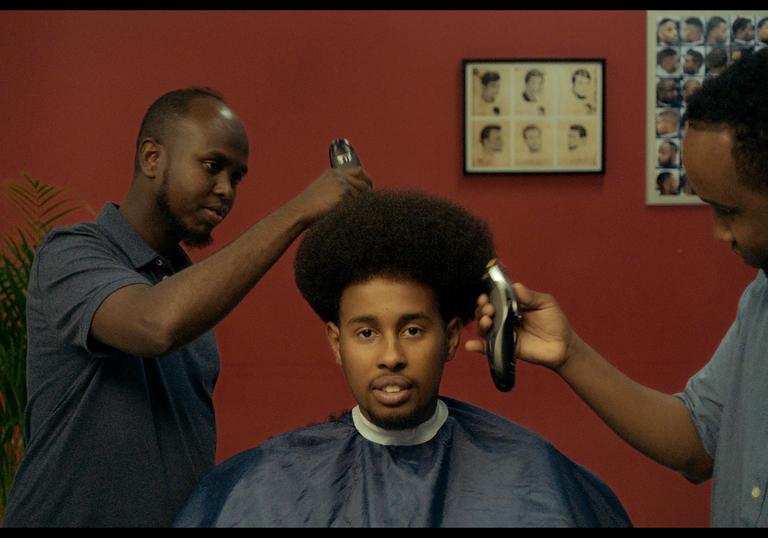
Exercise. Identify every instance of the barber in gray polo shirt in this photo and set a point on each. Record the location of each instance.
(122, 357)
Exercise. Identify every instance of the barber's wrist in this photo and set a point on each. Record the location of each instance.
(576, 350)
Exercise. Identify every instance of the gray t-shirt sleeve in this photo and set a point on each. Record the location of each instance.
(712, 388)
(76, 270)
(706, 392)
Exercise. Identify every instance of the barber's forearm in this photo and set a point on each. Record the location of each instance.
(657, 424)
(156, 320)
(196, 299)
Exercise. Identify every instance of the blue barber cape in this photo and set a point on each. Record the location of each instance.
(479, 470)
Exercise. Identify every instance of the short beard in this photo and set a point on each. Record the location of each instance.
(413, 419)
(398, 423)
(176, 228)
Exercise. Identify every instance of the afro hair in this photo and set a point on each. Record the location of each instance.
(405, 235)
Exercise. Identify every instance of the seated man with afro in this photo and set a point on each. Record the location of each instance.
(394, 276)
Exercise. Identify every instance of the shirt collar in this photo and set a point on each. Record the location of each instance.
(412, 436)
(129, 240)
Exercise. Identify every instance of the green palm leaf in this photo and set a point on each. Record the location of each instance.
(39, 206)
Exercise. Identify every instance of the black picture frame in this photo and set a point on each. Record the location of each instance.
(534, 116)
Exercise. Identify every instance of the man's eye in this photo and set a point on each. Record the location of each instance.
(213, 167)
(725, 211)
(365, 333)
(413, 331)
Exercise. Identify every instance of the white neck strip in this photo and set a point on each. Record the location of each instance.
(412, 436)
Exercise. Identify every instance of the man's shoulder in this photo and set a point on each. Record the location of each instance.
(754, 301)
(63, 237)
(308, 438)
(473, 417)
(759, 285)
(509, 440)
(315, 435)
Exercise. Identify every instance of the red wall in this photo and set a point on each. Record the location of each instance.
(647, 286)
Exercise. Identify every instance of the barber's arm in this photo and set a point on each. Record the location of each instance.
(155, 320)
(657, 424)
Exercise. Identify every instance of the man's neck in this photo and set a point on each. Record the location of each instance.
(408, 437)
(148, 223)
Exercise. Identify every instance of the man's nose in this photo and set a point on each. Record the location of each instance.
(223, 187)
(392, 354)
(723, 232)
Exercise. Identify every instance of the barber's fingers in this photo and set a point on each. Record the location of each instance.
(475, 346)
(530, 300)
(359, 178)
(484, 312)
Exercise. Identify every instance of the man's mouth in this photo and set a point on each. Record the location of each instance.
(215, 214)
(392, 390)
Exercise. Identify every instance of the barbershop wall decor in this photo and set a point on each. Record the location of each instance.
(526, 116)
(684, 49)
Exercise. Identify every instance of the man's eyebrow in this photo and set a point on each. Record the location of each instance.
(715, 204)
(361, 319)
(416, 315)
(405, 318)
(224, 157)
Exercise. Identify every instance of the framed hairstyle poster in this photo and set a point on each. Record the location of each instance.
(684, 49)
(534, 116)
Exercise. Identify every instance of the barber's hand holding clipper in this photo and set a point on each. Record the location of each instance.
(340, 182)
(544, 335)
(655, 423)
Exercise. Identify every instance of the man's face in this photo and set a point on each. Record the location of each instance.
(533, 86)
(667, 154)
(718, 34)
(206, 156)
(574, 139)
(667, 91)
(532, 138)
(581, 86)
(690, 87)
(494, 141)
(762, 33)
(668, 32)
(740, 214)
(747, 33)
(392, 344)
(691, 33)
(666, 123)
(490, 91)
(690, 65)
(670, 185)
(669, 63)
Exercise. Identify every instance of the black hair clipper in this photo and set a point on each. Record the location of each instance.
(502, 336)
(342, 154)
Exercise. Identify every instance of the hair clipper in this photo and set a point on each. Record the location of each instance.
(342, 154)
(501, 340)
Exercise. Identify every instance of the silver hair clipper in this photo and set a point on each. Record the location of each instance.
(501, 340)
(342, 154)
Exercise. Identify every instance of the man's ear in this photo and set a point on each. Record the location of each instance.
(453, 338)
(151, 153)
(332, 332)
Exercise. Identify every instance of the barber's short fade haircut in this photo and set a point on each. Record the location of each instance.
(738, 98)
(404, 235)
(168, 108)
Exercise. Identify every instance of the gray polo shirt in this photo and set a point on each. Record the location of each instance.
(112, 439)
(728, 401)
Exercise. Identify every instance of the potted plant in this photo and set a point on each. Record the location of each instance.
(39, 206)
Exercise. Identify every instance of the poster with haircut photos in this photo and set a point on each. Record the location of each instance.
(534, 116)
(684, 49)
